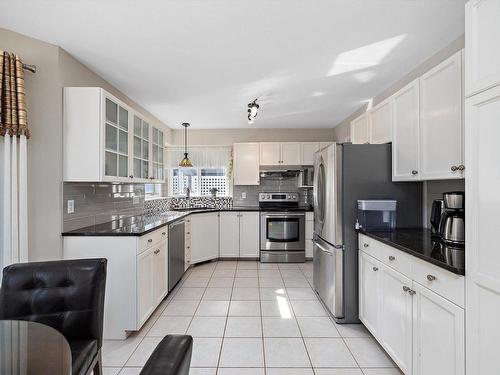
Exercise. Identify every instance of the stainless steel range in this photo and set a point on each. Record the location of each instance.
(282, 228)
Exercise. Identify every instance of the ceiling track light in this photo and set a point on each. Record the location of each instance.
(253, 108)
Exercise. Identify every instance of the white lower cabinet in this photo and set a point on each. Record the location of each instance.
(396, 317)
(438, 334)
(145, 299)
(369, 292)
(204, 237)
(239, 235)
(152, 279)
(309, 234)
(249, 234)
(422, 331)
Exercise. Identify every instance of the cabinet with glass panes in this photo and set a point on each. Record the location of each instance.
(106, 140)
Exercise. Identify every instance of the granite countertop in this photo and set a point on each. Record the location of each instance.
(418, 242)
(142, 224)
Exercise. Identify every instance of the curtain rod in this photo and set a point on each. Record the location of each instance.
(31, 68)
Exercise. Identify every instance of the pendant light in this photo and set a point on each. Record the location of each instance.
(185, 163)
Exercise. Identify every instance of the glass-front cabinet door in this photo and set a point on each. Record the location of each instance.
(116, 141)
(157, 159)
(141, 149)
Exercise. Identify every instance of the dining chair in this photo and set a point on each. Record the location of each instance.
(67, 295)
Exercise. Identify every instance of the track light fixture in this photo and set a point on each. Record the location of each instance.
(253, 108)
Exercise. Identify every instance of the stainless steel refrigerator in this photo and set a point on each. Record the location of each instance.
(344, 173)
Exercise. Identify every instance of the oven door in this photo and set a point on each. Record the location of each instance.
(282, 231)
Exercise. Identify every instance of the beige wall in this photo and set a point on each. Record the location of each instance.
(342, 130)
(230, 136)
(55, 69)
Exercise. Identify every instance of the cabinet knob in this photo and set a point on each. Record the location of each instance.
(365, 245)
(163, 233)
(391, 258)
(411, 292)
(461, 167)
(150, 240)
(157, 251)
(131, 176)
(414, 172)
(405, 288)
(454, 168)
(431, 277)
(375, 269)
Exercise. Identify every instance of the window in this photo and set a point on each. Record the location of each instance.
(211, 170)
(200, 181)
(153, 191)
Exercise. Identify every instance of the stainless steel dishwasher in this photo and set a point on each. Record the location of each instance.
(176, 257)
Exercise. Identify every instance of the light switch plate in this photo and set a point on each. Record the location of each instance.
(244, 195)
(71, 206)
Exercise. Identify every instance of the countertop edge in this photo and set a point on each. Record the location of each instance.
(456, 271)
(181, 216)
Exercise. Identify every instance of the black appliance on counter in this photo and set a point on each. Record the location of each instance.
(448, 219)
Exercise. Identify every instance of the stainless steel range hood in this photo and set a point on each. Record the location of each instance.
(279, 173)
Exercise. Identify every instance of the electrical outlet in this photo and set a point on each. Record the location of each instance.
(71, 206)
(244, 195)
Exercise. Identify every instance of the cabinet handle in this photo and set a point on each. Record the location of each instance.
(163, 233)
(431, 277)
(406, 289)
(365, 245)
(414, 172)
(391, 258)
(131, 176)
(375, 269)
(188, 232)
(411, 292)
(461, 167)
(150, 240)
(454, 168)
(157, 251)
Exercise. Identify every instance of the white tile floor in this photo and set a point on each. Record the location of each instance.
(249, 318)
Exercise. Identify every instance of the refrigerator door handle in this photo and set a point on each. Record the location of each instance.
(321, 247)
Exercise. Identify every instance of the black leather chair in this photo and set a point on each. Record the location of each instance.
(172, 356)
(67, 295)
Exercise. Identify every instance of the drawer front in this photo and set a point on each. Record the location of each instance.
(388, 255)
(440, 281)
(152, 238)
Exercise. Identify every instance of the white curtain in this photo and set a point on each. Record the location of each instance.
(200, 156)
(13, 200)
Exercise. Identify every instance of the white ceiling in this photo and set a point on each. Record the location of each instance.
(311, 63)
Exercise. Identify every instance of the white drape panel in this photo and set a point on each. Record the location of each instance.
(200, 156)
(13, 200)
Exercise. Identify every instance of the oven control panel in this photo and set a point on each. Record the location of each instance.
(279, 197)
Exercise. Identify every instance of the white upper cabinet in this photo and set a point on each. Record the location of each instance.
(246, 163)
(405, 133)
(359, 130)
(482, 40)
(482, 119)
(105, 140)
(270, 153)
(307, 151)
(290, 153)
(380, 122)
(441, 126)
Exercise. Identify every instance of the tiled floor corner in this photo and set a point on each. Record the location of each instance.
(249, 318)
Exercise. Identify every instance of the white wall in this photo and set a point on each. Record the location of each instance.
(55, 69)
(230, 136)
